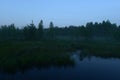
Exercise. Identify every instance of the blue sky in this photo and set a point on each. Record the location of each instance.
(61, 12)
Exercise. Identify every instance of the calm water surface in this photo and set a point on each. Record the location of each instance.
(85, 68)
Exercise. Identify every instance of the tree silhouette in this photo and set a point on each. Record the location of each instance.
(40, 30)
(30, 31)
(102, 31)
(51, 30)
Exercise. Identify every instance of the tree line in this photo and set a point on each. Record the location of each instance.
(101, 31)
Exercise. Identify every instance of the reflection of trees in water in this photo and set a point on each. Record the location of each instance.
(83, 55)
(89, 56)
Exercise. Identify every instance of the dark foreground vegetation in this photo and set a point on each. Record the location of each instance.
(27, 54)
(38, 46)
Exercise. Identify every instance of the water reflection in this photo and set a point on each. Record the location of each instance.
(89, 56)
(82, 56)
(85, 67)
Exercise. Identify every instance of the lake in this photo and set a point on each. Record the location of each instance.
(85, 68)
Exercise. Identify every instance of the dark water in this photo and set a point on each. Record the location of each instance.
(85, 68)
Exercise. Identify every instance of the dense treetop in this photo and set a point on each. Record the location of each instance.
(98, 31)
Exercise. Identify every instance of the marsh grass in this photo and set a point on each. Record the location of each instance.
(101, 48)
(23, 55)
(20, 55)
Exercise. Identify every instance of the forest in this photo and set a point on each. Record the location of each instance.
(91, 31)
